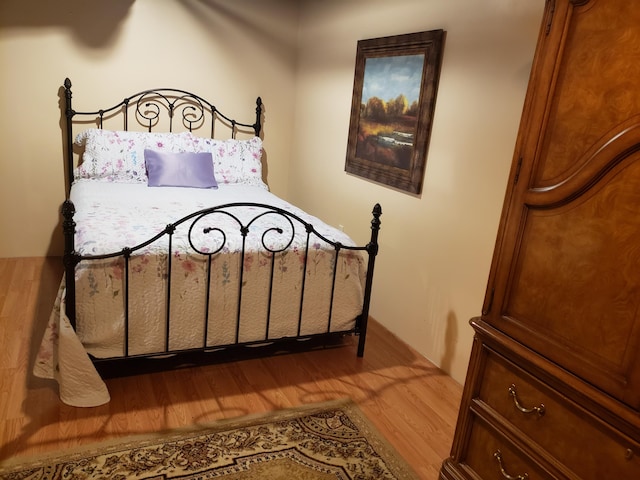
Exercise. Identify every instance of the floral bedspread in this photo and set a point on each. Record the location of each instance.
(111, 216)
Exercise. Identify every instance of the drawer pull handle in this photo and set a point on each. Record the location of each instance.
(539, 410)
(498, 457)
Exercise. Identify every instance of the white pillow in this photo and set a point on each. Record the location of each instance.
(118, 156)
(234, 161)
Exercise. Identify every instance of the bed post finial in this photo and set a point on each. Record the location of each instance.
(257, 127)
(375, 222)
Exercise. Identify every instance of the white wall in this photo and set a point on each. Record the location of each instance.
(227, 51)
(436, 248)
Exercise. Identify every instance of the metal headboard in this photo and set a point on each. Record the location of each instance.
(148, 107)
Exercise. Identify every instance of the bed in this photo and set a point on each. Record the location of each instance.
(177, 254)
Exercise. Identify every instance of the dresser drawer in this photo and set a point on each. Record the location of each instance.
(490, 456)
(579, 441)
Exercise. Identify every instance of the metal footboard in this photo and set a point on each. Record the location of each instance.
(203, 223)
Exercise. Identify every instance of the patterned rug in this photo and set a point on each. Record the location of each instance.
(332, 440)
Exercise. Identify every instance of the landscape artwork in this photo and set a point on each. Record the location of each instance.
(389, 109)
(394, 92)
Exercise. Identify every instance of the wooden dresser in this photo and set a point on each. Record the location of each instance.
(553, 386)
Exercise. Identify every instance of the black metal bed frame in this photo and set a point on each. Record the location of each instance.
(194, 114)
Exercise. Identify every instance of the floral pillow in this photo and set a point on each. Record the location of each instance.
(234, 161)
(118, 156)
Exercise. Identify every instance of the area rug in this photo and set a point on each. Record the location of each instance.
(331, 440)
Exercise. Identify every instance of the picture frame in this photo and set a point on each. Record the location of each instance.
(394, 94)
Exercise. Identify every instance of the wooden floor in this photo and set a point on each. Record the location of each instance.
(410, 401)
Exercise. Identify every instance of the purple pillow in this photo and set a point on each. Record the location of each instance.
(189, 169)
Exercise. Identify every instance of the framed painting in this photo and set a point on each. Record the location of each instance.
(394, 94)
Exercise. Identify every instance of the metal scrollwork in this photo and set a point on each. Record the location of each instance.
(209, 240)
(275, 239)
(213, 239)
(192, 111)
(150, 105)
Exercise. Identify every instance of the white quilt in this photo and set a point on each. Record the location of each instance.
(110, 216)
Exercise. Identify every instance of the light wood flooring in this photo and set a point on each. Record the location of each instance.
(411, 402)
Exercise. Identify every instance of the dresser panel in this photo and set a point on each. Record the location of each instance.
(584, 444)
(491, 456)
(572, 292)
(596, 84)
